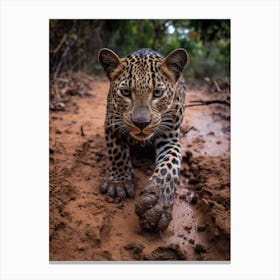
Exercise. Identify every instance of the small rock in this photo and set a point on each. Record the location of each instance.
(80, 247)
(68, 131)
(172, 252)
(182, 196)
(204, 203)
(188, 227)
(191, 241)
(193, 180)
(189, 155)
(199, 248)
(136, 249)
(110, 199)
(201, 228)
(193, 199)
(120, 206)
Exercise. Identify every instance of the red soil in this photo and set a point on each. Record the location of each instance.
(85, 226)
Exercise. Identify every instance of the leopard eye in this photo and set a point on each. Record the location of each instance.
(125, 92)
(157, 93)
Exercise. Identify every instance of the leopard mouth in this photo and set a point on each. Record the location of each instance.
(142, 136)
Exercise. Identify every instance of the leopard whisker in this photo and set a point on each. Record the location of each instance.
(114, 124)
(120, 128)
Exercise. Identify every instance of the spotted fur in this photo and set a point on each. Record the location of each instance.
(145, 106)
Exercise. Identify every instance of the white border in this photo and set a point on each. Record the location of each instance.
(255, 138)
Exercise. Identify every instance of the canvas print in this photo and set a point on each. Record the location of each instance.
(139, 140)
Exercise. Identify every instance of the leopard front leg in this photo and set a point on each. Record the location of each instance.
(120, 184)
(154, 204)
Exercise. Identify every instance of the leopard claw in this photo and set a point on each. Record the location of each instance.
(117, 190)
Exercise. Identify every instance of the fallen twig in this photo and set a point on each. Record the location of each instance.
(85, 162)
(217, 86)
(207, 102)
(82, 131)
(62, 41)
(189, 129)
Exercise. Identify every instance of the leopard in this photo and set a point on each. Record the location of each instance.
(145, 107)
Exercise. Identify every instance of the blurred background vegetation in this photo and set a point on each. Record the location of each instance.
(74, 44)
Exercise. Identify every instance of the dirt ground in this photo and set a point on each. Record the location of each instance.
(85, 226)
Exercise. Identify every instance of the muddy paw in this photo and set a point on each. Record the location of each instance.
(155, 213)
(118, 190)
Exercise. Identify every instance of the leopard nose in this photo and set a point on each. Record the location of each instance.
(142, 124)
(141, 117)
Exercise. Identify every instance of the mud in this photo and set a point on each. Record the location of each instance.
(86, 226)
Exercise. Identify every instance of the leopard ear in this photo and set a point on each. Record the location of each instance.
(175, 62)
(110, 61)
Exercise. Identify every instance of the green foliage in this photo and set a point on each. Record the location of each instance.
(74, 44)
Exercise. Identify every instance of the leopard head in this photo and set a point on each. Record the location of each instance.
(142, 87)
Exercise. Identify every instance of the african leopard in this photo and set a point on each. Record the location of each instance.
(145, 105)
